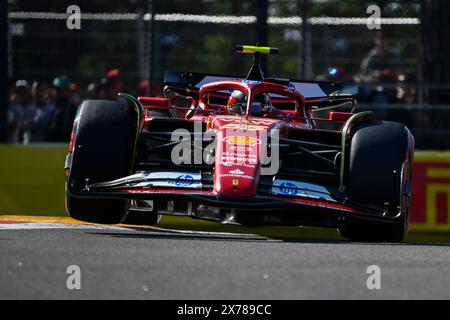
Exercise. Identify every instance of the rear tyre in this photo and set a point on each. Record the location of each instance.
(104, 140)
(380, 174)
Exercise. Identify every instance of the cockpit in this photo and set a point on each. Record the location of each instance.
(261, 100)
(237, 104)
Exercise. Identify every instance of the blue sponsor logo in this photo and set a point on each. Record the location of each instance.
(288, 188)
(251, 82)
(184, 180)
(292, 86)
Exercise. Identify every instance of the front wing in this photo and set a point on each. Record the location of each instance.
(325, 210)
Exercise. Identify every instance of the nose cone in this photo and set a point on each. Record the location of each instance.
(240, 143)
(237, 166)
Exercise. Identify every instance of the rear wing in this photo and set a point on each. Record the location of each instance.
(192, 82)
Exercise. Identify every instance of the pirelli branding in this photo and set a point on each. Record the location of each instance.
(430, 206)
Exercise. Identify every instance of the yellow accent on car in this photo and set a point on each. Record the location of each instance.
(254, 49)
(248, 141)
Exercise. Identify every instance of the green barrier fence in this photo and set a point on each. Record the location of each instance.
(32, 180)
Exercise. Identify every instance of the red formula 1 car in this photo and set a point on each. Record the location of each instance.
(249, 151)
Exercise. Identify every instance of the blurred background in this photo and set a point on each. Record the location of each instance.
(127, 45)
(48, 69)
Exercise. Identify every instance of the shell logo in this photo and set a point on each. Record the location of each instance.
(242, 140)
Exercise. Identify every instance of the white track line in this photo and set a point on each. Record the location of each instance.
(211, 233)
(43, 225)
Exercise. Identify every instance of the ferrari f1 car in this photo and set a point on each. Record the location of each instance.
(248, 150)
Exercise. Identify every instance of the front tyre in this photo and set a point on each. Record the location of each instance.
(103, 150)
(380, 174)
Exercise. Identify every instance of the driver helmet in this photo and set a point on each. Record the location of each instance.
(261, 104)
(236, 103)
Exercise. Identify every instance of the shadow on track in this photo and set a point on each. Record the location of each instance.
(158, 234)
(145, 233)
(163, 234)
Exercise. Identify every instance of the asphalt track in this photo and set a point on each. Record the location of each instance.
(154, 263)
